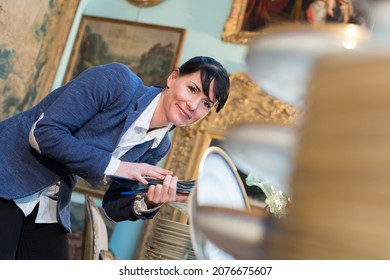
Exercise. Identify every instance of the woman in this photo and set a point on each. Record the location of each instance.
(104, 122)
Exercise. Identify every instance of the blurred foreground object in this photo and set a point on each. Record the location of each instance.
(340, 182)
(264, 150)
(281, 59)
(337, 73)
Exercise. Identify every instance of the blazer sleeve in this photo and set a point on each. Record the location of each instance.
(91, 92)
(120, 207)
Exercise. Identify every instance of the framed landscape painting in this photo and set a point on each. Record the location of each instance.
(151, 51)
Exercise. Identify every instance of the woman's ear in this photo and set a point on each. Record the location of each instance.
(172, 77)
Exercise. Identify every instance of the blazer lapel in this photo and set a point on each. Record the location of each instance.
(136, 108)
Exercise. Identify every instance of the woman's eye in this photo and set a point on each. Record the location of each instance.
(207, 104)
(192, 89)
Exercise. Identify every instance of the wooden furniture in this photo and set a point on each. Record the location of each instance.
(340, 185)
(95, 238)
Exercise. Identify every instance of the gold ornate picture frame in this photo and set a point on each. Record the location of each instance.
(232, 29)
(249, 18)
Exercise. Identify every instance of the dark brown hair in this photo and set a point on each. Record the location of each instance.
(210, 70)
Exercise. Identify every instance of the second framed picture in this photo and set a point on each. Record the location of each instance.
(151, 51)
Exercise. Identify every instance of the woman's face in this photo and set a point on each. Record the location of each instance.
(184, 101)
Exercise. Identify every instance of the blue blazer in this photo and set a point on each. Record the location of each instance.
(81, 124)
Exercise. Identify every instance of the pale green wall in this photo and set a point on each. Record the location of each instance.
(203, 20)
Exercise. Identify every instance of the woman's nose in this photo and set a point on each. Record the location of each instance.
(193, 104)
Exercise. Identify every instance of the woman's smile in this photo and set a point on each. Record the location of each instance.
(184, 112)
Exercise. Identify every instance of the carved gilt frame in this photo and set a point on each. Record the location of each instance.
(232, 29)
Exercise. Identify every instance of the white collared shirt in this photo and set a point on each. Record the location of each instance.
(47, 199)
(136, 134)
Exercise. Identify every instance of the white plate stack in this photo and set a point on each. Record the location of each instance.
(170, 241)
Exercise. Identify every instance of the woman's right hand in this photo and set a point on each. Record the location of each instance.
(138, 171)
